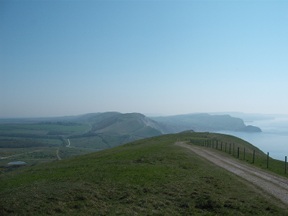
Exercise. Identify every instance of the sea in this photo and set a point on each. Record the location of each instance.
(272, 139)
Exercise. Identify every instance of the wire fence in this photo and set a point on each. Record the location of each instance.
(249, 154)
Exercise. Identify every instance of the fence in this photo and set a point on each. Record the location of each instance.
(248, 154)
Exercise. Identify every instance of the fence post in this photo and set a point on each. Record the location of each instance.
(229, 148)
(253, 160)
(285, 164)
(244, 153)
(267, 160)
(238, 152)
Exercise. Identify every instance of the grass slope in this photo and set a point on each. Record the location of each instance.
(147, 177)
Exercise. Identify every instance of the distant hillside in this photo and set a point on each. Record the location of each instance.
(204, 122)
(113, 128)
(40, 140)
(97, 131)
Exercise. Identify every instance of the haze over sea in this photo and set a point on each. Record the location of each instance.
(273, 139)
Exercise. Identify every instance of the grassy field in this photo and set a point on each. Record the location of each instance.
(40, 140)
(146, 177)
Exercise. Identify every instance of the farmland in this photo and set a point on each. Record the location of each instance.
(38, 142)
(42, 140)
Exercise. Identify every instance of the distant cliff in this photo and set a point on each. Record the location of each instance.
(250, 128)
(113, 128)
(204, 122)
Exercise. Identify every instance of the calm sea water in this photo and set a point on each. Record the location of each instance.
(273, 139)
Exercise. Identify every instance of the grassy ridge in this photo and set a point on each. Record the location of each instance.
(148, 177)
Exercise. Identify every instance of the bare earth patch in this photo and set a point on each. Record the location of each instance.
(272, 184)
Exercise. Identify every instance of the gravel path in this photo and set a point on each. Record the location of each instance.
(275, 185)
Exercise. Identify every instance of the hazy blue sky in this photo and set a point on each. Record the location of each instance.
(166, 57)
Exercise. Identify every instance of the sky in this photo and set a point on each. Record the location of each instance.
(60, 58)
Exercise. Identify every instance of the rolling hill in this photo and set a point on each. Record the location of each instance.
(147, 177)
(112, 129)
(46, 139)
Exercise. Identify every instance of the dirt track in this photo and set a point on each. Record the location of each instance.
(272, 184)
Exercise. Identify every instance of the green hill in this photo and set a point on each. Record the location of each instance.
(147, 177)
(97, 131)
(45, 139)
(113, 129)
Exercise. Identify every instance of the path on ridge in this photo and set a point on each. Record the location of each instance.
(69, 144)
(276, 186)
(57, 154)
